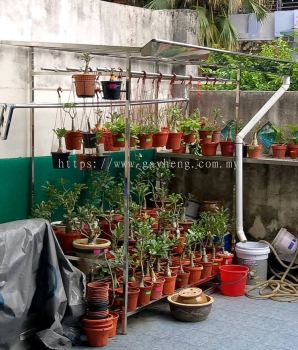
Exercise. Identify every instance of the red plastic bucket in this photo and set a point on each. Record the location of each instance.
(233, 280)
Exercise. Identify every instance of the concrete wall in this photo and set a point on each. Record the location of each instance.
(270, 191)
(72, 21)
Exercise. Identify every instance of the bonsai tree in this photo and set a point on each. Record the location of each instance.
(69, 108)
(60, 133)
(141, 190)
(87, 222)
(175, 204)
(117, 234)
(86, 59)
(217, 121)
(194, 236)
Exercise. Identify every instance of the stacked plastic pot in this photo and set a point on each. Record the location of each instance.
(99, 325)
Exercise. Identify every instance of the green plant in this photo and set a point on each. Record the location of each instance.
(70, 109)
(217, 119)
(280, 138)
(293, 128)
(60, 133)
(87, 222)
(86, 58)
(114, 197)
(173, 116)
(99, 184)
(141, 190)
(194, 236)
(189, 126)
(43, 210)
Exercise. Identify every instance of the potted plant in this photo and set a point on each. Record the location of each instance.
(279, 148)
(293, 140)
(117, 128)
(174, 115)
(145, 135)
(85, 83)
(190, 128)
(141, 190)
(73, 138)
(160, 137)
(254, 149)
(60, 158)
(206, 130)
(112, 88)
(227, 145)
(217, 125)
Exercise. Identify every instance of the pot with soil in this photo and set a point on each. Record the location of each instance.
(182, 279)
(209, 148)
(85, 84)
(146, 141)
(157, 288)
(206, 136)
(174, 140)
(169, 285)
(279, 151)
(111, 90)
(254, 151)
(216, 263)
(195, 273)
(160, 139)
(145, 293)
(227, 148)
(207, 269)
(73, 140)
(216, 136)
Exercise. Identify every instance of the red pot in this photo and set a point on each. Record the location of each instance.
(216, 136)
(115, 317)
(185, 225)
(145, 294)
(293, 147)
(182, 149)
(207, 269)
(118, 140)
(182, 279)
(98, 337)
(150, 212)
(227, 259)
(133, 296)
(175, 268)
(254, 151)
(160, 139)
(209, 148)
(217, 262)
(146, 141)
(73, 140)
(279, 151)
(293, 154)
(108, 142)
(174, 140)
(206, 136)
(98, 323)
(195, 273)
(227, 148)
(190, 138)
(65, 239)
(169, 285)
(157, 288)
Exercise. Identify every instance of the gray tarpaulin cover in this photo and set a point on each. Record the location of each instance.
(37, 283)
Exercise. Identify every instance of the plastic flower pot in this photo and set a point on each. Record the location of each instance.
(146, 141)
(59, 160)
(66, 239)
(73, 140)
(279, 151)
(157, 288)
(169, 285)
(84, 161)
(115, 317)
(195, 273)
(216, 136)
(118, 140)
(98, 323)
(175, 268)
(209, 148)
(207, 269)
(89, 140)
(233, 280)
(293, 154)
(206, 136)
(182, 279)
(292, 147)
(254, 151)
(111, 90)
(160, 139)
(98, 337)
(174, 140)
(190, 138)
(217, 262)
(108, 142)
(145, 294)
(85, 84)
(133, 295)
(226, 259)
(227, 148)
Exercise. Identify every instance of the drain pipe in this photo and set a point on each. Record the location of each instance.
(239, 154)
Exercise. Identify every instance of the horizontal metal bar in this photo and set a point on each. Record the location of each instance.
(48, 89)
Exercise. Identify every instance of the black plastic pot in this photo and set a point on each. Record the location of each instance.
(89, 140)
(59, 160)
(111, 90)
(100, 163)
(245, 148)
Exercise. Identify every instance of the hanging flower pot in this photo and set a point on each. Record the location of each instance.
(206, 136)
(254, 151)
(279, 151)
(73, 140)
(118, 140)
(216, 136)
(145, 293)
(89, 139)
(174, 140)
(207, 269)
(227, 148)
(209, 149)
(195, 273)
(169, 285)
(182, 279)
(160, 138)
(111, 90)
(146, 141)
(85, 84)
(59, 160)
(190, 138)
(157, 288)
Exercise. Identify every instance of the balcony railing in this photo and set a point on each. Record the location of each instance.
(283, 5)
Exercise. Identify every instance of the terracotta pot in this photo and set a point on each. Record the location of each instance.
(169, 285)
(146, 141)
(150, 212)
(209, 148)
(160, 139)
(118, 140)
(73, 140)
(108, 142)
(175, 268)
(145, 294)
(85, 84)
(227, 148)
(98, 337)
(157, 288)
(206, 136)
(133, 296)
(195, 273)
(226, 259)
(216, 136)
(65, 239)
(182, 279)
(254, 151)
(279, 151)
(115, 317)
(217, 262)
(210, 206)
(98, 323)
(174, 140)
(207, 269)
(293, 154)
(190, 138)
(292, 147)
(197, 259)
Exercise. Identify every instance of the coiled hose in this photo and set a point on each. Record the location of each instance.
(282, 286)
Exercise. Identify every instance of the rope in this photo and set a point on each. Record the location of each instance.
(279, 287)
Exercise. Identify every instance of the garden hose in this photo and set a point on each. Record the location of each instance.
(282, 286)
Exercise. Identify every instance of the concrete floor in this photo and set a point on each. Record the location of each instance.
(234, 323)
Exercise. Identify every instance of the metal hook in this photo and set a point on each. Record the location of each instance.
(144, 76)
(173, 79)
(183, 82)
(214, 82)
(120, 73)
(207, 80)
(59, 91)
(190, 80)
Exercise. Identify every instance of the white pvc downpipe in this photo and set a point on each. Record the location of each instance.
(239, 154)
